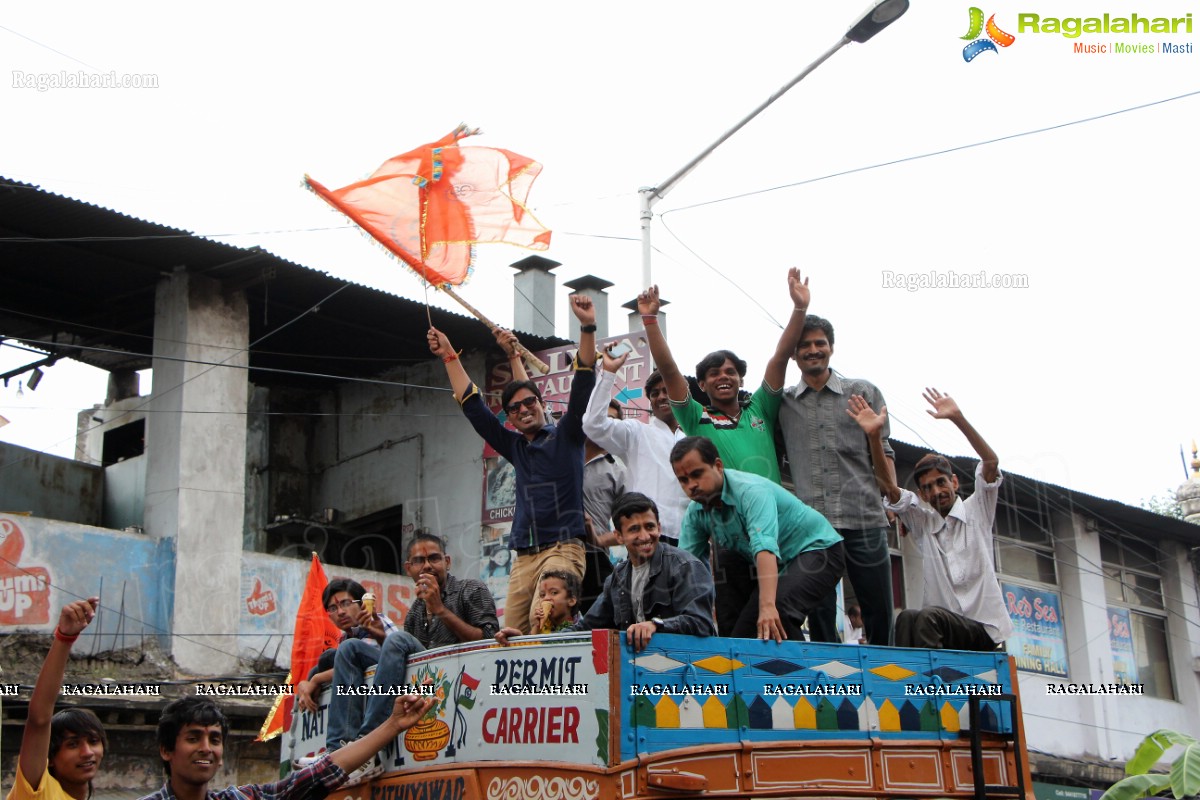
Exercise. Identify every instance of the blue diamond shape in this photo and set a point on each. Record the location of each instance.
(947, 673)
(777, 666)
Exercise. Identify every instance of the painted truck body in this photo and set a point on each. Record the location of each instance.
(581, 717)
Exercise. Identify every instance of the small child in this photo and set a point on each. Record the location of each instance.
(558, 596)
(557, 605)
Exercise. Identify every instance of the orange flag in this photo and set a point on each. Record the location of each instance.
(432, 205)
(314, 634)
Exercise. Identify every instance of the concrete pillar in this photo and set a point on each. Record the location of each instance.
(195, 477)
(1089, 655)
(533, 301)
(122, 384)
(593, 287)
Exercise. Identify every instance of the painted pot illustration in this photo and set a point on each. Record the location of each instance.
(426, 738)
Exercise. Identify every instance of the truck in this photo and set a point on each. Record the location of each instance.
(580, 716)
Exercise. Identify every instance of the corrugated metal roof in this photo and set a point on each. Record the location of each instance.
(79, 280)
(1116, 515)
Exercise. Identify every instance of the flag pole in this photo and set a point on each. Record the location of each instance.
(531, 360)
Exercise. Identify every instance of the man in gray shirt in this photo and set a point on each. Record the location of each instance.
(830, 460)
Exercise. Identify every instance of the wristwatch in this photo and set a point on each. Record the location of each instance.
(658, 623)
(587, 328)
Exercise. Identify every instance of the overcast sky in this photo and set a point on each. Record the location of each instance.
(1084, 378)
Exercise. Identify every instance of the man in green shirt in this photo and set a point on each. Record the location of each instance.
(796, 553)
(744, 432)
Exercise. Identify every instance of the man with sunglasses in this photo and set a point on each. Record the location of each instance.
(448, 610)
(962, 607)
(547, 528)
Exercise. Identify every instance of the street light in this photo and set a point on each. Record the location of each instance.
(878, 16)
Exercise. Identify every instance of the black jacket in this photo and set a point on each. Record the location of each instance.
(679, 591)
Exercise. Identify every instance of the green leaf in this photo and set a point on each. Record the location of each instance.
(1152, 748)
(1137, 786)
(602, 735)
(1185, 772)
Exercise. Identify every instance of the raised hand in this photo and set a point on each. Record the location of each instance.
(439, 345)
(944, 406)
(507, 340)
(647, 301)
(584, 309)
(862, 413)
(613, 364)
(798, 289)
(76, 616)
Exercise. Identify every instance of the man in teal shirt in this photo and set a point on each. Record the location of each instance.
(796, 553)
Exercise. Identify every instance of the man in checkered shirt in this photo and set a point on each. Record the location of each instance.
(191, 742)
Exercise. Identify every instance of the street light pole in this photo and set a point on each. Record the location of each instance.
(877, 17)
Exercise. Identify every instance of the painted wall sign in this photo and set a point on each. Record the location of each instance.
(24, 587)
(493, 703)
(1120, 640)
(1039, 641)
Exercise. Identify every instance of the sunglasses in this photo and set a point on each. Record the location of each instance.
(526, 402)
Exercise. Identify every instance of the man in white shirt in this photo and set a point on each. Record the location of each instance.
(962, 607)
(645, 448)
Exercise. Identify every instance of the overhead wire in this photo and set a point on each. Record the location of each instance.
(934, 153)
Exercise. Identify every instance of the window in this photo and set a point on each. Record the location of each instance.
(126, 441)
(1024, 548)
(1133, 582)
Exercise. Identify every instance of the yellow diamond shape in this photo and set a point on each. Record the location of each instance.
(893, 672)
(719, 664)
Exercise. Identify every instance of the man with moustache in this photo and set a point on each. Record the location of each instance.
(832, 471)
(795, 553)
(448, 610)
(962, 607)
(658, 588)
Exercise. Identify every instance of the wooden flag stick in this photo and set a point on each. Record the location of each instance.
(532, 361)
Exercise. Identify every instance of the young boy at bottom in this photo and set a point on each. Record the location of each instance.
(191, 743)
(60, 753)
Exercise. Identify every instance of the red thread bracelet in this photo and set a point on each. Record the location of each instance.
(62, 637)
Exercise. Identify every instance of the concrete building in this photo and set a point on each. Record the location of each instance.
(1099, 593)
(291, 412)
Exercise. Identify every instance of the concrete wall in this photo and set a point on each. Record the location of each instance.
(106, 418)
(271, 588)
(46, 564)
(49, 486)
(381, 446)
